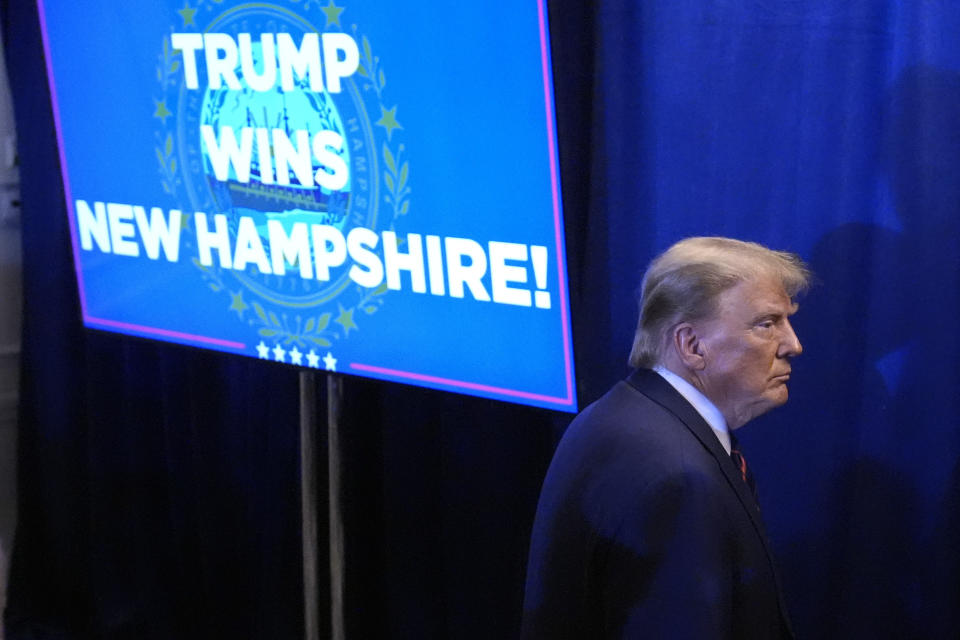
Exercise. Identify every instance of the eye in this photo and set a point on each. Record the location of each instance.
(766, 324)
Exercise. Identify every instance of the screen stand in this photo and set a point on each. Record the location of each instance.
(337, 572)
(308, 505)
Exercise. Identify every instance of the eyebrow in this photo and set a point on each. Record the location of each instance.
(773, 314)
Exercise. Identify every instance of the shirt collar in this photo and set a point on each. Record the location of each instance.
(707, 410)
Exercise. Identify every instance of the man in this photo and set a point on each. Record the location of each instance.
(647, 525)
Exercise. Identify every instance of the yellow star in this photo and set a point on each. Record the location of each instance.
(238, 304)
(345, 320)
(388, 120)
(187, 14)
(162, 112)
(333, 13)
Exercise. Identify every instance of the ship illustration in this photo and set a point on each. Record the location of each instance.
(278, 200)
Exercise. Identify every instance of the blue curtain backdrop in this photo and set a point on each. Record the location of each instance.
(158, 486)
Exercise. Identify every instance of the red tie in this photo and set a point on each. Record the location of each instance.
(741, 463)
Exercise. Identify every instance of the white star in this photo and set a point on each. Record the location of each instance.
(278, 353)
(295, 355)
(313, 359)
(263, 351)
(330, 361)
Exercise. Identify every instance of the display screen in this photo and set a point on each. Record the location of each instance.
(368, 188)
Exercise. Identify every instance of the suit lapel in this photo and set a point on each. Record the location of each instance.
(652, 385)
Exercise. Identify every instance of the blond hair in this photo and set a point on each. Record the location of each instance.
(683, 283)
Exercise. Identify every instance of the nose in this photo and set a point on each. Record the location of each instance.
(790, 345)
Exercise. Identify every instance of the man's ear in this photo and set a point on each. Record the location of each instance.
(688, 346)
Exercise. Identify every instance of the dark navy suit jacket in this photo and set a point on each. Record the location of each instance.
(645, 529)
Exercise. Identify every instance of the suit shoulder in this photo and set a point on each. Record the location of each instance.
(620, 445)
(628, 421)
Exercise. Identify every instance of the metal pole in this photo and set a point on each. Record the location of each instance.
(337, 572)
(308, 503)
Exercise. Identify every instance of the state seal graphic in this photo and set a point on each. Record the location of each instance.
(263, 140)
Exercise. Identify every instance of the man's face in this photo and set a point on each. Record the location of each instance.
(747, 348)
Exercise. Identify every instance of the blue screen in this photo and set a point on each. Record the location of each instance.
(368, 188)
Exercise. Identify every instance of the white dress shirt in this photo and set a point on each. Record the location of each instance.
(701, 403)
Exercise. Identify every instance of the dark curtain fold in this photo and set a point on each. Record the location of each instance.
(159, 486)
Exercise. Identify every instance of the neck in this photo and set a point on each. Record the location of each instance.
(692, 376)
(677, 368)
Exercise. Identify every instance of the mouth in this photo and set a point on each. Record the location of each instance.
(783, 377)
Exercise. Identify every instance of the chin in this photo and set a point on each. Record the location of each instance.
(779, 396)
